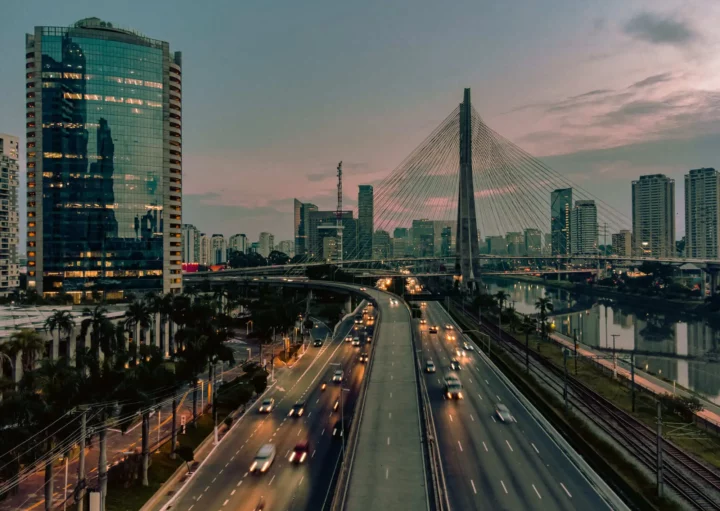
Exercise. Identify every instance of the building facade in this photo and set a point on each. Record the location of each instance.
(9, 216)
(205, 249)
(238, 243)
(423, 237)
(287, 247)
(446, 242)
(533, 242)
(190, 244)
(584, 228)
(653, 216)
(622, 243)
(104, 161)
(702, 213)
(301, 225)
(381, 244)
(560, 207)
(365, 222)
(515, 243)
(323, 224)
(218, 248)
(266, 244)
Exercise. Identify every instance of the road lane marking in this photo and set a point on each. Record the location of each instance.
(214, 479)
(389, 415)
(471, 418)
(566, 490)
(536, 449)
(323, 432)
(191, 507)
(473, 486)
(493, 418)
(221, 471)
(232, 493)
(318, 400)
(460, 445)
(198, 499)
(470, 380)
(226, 464)
(387, 473)
(225, 503)
(498, 397)
(231, 459)
(503, 485)
(451, 419)
(206, 488)
(487, 382)
(238, 484)
(537, 492)
(485, 446)
(299, 431)
(388, 441)
(480, 397)
(237, 452)
(313, 454)
(510, 446)
(301, 480)
(391, 395)
(246, 474)
(271, 480)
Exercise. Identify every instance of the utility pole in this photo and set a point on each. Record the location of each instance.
(659, 450)
(565, 392)
(80, 487)
(614, 356)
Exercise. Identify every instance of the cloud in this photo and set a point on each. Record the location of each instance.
(652, 80)
(656, 29)
(591, 93)
(318, 176)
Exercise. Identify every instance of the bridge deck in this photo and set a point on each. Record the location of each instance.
(388, 470)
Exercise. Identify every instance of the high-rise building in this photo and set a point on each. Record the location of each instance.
(446, 241)
(496, 245)
(205, 250)
(560, 206)
(9, 216)
(287, 247)
(104, 161)
(267, 244)
(653, 207)
(533, 242)
(322, 224)
(584, 228)
(190, 244)
(622, 243)
(515, 243)
(438, 228)
(365, 222)
(254, 247)
(398, 247)
(330, 247)
(423, 237)
(238, 243)
(301, 225)
(218, 248)
(381, 244)
(702, 213)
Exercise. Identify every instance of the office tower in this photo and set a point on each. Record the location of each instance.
(515, 243)
(190, 244)
(104, 161)
(653, 208)
(446, 242)
(266, 244)
(381, 244)
(9, 216)
(330, 248)
(438, 227)
(218, 248)
(398, 247)
(254, 247)
(323, 224)
(584, 228)
(702, 214)
(205, 249)
(287, 247)
(365, 222)
(423, 237)
(560, 206)
(238, 243)
(496, 245)
(622, 243)
(301, 225)
(533, 242)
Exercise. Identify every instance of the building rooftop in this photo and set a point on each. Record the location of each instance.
(14, 318)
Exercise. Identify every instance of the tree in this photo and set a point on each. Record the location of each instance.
(186, 454)
(63, 322)
(543, 306)
(94, 320)
(277, 258)
(137, 316)
(29, 343)
(501, 297)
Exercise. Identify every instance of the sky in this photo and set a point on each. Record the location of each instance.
(276, 93)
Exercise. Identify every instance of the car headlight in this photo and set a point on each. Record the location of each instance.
(300, 412)
(290, 414)
(302, 458)
(253, 466)
(460, 396)
(449, 395)
(292, 457)
(266, 465)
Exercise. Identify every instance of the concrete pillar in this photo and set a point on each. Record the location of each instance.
(157, 330)
(348, 304)
(17, 367)
(72, 348)
(713, 281)
(55, 351)
(166, 335)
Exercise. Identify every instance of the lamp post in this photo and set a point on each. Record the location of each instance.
(614, 356)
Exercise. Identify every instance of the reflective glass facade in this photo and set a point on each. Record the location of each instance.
(104, 171)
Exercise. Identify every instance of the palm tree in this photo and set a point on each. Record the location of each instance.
(543, 306)
(137, 316)
(29, 343)
(501, 297)
(63, 322)
(94, 321)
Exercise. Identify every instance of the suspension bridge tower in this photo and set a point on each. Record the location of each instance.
(466, 237)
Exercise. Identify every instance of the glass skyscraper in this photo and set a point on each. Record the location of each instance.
(560, 206)
(365, 222)
(104, 161)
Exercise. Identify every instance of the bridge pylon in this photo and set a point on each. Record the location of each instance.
(466, 238)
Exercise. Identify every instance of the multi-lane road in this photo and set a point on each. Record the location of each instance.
(490, 464)
(223, 482)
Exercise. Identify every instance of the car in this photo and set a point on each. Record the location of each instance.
(423, 304)
(455, 365)
(433, 329)
(453, 387)
(430, 366)
(356, 342)
(423, 321)
(503, 413)
(300, 452)
(267, 405)
(468, 346)
(460, 353)
(363, 289)
(318, 342)
(337, 376)
(393, 301)
(448, 327)
(297, 410)
(348, 338)
(363, 358)
(450, 337)
(263, 459)
(337, 431)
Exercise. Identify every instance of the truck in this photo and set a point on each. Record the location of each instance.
(453, 387)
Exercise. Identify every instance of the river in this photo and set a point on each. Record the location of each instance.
(676, 347)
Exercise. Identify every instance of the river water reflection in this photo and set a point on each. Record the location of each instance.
(675, 347)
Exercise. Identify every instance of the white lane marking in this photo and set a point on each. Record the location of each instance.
(451, 419)
(387, 473)
(510, 446)
(487, 381)
(221, 471)
(225, 503)
(537, 492)
(207, 488)
(536, 450)
(198, 499)
(485, 446)
(299, 431)
(232, 493)
(470, 380)
(301, 480)
(493, 418)
(271, 480)
(226, 464)
(503, 485)
(191, 507)
(389, 415)
(313, 454)
(309, 414)
(566, 490)
(471, 418)
(238, 484)
(318, 400)
(460, 445)
(246, 474)
(391, 395)
(237, 452)
(231, 459)
(438, 381)
(323, 432)
(498, 397)
(480, 397)
(214, 479)
(473, 485)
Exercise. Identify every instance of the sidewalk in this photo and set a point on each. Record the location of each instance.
(710, 411)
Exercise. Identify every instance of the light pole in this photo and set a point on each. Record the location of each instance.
(614, 356)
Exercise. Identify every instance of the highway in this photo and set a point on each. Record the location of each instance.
(223, 481)
(490, 464)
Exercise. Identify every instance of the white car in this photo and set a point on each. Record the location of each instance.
(348, 338)
(267, 405)
(393, 301)
(263, 459)
(356, 342)
(503, 413)
(468, 346)
(337, 376)
(430, 366)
